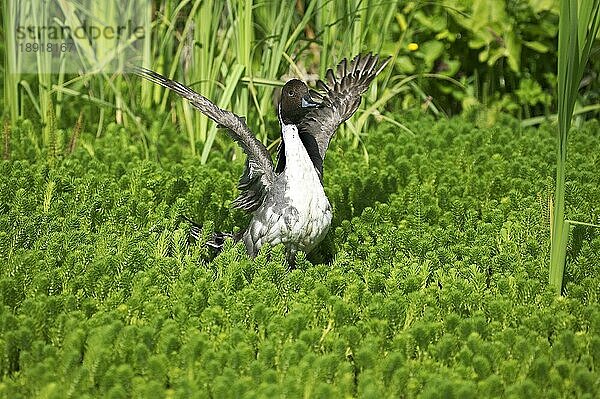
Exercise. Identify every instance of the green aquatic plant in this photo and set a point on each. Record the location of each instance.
(579, 26)
(432, 277)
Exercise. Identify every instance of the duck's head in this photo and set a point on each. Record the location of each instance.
(295, 102)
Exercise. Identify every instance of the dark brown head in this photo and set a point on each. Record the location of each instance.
(295, 102)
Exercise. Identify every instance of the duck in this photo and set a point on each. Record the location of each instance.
(286, 199)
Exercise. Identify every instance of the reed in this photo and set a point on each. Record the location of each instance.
(11, 67)
(578, 27)
(239, 53)
(6, 140)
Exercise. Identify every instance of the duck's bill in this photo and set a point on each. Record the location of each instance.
(308, 102)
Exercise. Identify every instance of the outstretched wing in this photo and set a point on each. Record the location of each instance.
(340, 98)
(258, 174)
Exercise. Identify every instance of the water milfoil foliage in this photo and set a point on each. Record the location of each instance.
(432, 281)
(432, 278)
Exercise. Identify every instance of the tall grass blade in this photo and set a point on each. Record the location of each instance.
(244, 37)
(232, 82)
(278, 43)
(11, 68)
(578, 27)
(6, 140)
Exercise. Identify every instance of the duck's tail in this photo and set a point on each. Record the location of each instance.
(217, 238)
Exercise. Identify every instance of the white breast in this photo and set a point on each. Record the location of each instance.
(301, 217)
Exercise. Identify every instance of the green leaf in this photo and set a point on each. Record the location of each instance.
(405, 64)
(431, 51)
(513, 51)
(538, 6)
(435, 22)
(536, 46)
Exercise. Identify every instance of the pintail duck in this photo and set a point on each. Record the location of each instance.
(286, 199)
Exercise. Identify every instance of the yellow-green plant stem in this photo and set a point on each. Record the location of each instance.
(578, 27)
(11, 76)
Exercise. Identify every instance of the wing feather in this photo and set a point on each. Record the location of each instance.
(258, 174)
(340, 98)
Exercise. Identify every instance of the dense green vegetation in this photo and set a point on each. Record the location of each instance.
(431, 283)
(447, 56)
(433, 280)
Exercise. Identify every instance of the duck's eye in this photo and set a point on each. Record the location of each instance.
(291, 93)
